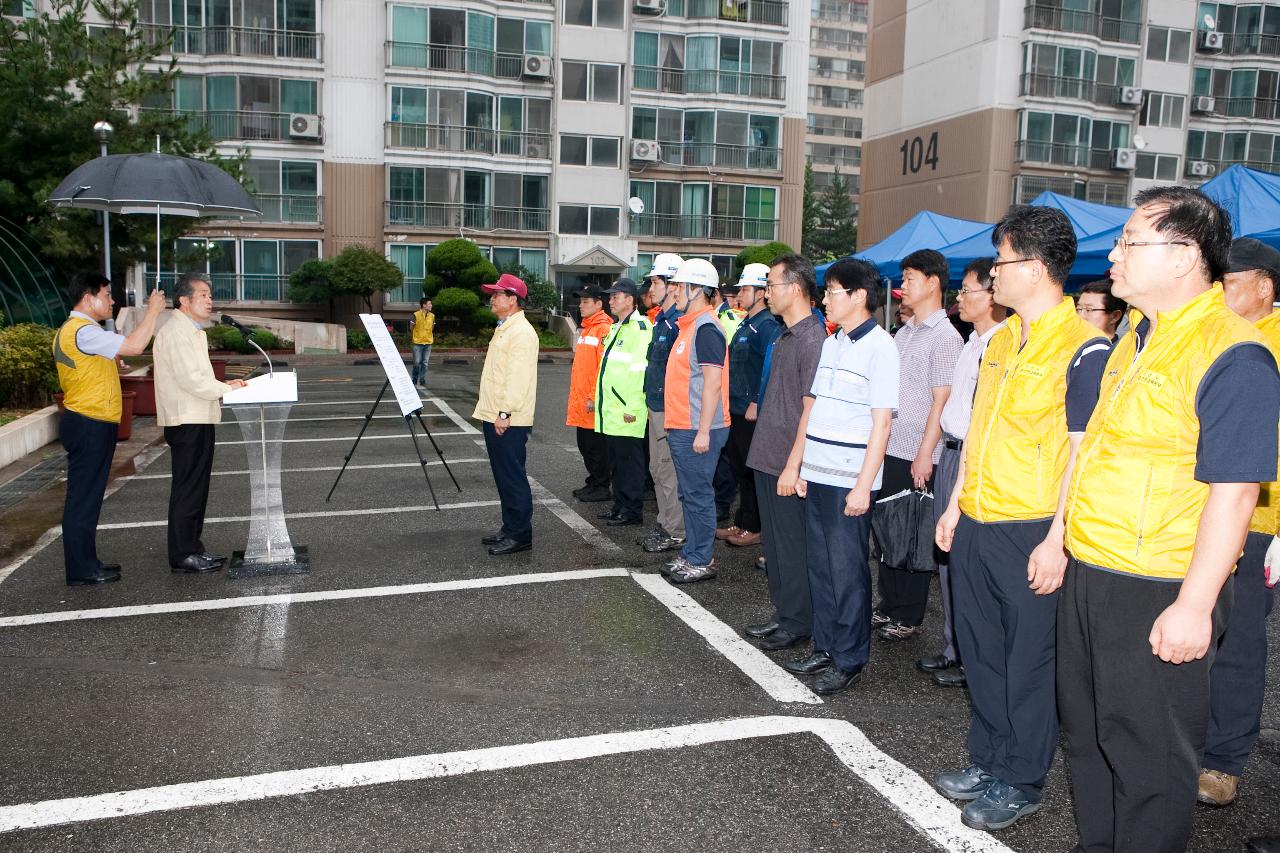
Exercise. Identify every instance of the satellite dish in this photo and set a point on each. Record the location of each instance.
(1210, 23)
(635, 205)
(1140, 142)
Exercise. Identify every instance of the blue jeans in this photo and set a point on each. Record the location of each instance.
(694, 473)
(421, 352)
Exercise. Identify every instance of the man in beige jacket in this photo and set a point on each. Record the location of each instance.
(508, 389)
(187, 406)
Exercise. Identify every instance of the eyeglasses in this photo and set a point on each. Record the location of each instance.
(997, 264)
(1125, 245)
(837, 290)
(965, 290)
(784, 284)
(1089, 310)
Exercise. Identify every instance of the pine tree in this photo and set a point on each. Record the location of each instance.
(810, 215)
(837, 235)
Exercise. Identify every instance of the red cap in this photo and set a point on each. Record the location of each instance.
(507, 283)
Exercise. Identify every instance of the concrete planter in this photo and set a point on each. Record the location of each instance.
(28, 434)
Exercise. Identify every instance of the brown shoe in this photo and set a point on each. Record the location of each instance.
(726, 532)
(744, 538)
(1217, 789)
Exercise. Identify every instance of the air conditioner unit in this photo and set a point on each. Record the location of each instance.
(537, 66)
(304, 126)
(651, 7)
(537, 151)
(1124, 158)
(1129, 96)
(1201, 169)
(1203, 104)
(1210, 40)
(644, 150)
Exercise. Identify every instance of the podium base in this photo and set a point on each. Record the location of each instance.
(299, 565)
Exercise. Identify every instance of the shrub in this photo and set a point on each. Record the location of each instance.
(358, 339)
(264, 338)
(28, 375)
(224, 338)
(456, 302)
(362, 271)
(483, 316)
(759, 255)
(457, 263)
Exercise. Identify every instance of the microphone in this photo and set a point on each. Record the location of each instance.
(228, 320)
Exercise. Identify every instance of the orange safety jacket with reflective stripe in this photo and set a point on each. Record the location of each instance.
(684, 397)
(587, 351)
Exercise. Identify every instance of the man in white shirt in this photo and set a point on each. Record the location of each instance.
(977, 306)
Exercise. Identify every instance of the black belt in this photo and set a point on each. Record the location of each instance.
(952, 443)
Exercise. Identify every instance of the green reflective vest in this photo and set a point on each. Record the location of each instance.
(620, 385)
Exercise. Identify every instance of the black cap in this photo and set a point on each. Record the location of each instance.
(590, 292)
(624, 285)
(729, 288)
(1250, 254)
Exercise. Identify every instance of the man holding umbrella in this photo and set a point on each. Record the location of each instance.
(85, 354)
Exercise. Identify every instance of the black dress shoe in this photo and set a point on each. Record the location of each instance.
(102, 575)
(608, 515)
(625, 521)
(508, 546)
(834, 679)
(761, 629)
(780, 639)
(214, 558)
(953, 677)
(493, 538)
(935, 663)
(595, 494)
(195, 564)
(816, 662)
(111, 567)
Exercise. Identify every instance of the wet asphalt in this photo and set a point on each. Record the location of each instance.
(103, 705)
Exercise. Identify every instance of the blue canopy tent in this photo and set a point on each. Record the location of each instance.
(925, 230)
(1253, 200)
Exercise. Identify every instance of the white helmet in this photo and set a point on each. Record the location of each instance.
(665, 265)
(697, 271)
(754, 275)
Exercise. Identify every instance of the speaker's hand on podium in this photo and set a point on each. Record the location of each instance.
(236, 383)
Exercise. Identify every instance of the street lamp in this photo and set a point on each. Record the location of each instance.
(102, 131)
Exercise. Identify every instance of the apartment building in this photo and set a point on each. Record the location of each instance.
(578, 138)
(973, 105)
(837, 71)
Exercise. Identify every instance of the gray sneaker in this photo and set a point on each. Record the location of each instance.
(658, 530)
(689, 573)
(672, 566)
(999, 807)
(665, 542)
(967, 784)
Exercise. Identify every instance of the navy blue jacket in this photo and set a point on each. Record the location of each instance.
(746, 358)
(655, 375)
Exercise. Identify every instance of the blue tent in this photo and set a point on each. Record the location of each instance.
(1253, 200)
(925, 230)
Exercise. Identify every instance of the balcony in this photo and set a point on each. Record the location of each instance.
(291, 209)
(832, 160)
(452, 57)
(1264, 108)
(1219, 165)
(479, 140)
(1049, 86)
(1061, 154)
(732, 228)
(840, 13)
(703, 154)
(237, 287)
(1250, 44)
(452, 215)
(1045, 16)
(236, 41)
(242, 124)
(773, 12)
(681, 82)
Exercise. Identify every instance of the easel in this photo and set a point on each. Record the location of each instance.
(408, 422)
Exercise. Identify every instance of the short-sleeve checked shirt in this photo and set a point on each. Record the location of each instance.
(927, 353)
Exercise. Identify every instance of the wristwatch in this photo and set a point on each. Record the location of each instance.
(504, 416)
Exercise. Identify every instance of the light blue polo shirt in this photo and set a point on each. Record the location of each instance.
(857, 372)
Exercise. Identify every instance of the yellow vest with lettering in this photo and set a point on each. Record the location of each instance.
(90, 383)
(1266, 517)
(1135, 504)
(1017, 448)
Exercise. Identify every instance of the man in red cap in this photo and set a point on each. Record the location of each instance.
(508, 389)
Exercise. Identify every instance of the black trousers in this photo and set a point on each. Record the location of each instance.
(839, 576)
(507, 462)
(595, 455)
(784, 529)
(1007, 642)
(739, 444)
(191, 449)
(1238, 679)
(904, 596)
(90, 445)
(626, 459)
(1133, 725)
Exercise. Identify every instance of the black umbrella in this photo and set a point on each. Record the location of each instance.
(154, 183)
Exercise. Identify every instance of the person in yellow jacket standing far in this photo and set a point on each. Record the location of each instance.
(1163, 488)
(587, 351)
(424, 335)
(621, 413)
(508, 391)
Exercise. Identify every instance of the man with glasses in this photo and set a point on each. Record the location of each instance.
(1157, 514)
(1099, 306)
(978, 307)
(1037, 387)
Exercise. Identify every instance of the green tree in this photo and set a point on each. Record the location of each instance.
(542, 293)
(361, 271)
(838, 235)
(761, 254)
(810, 214)
(313, 282)
(457, 263)
(57, 79)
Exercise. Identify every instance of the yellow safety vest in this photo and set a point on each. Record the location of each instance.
(1135, 504)
(1017, 448)
(1266, 517)
(90, 383)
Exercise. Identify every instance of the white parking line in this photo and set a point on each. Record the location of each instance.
(775, 680)
(332, 418)
(578, 524)
(400, 435)
(924, 809)
(334, 513)
(435, 462)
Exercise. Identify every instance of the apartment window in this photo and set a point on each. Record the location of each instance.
(846, 126)
(1052, 61)
(589, 81)
(1160, 109)
(834, 96)
(506, 257)
(515, 35)
(1166, 45)
(1116, 70)
(594, 13)
(589, 219)
(831, 68)
(1157, 167)
(1255, 149)
(589, 150)
(831, 38)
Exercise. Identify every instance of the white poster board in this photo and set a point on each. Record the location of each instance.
(279, 387)
(392, 364)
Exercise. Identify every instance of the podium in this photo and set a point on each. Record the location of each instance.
(262, 409)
